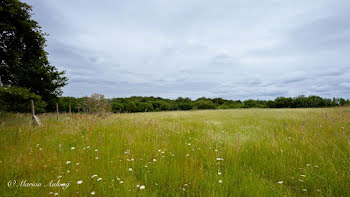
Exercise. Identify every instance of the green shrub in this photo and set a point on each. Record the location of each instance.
(17, 99)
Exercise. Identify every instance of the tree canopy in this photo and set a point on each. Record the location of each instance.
(24, 61)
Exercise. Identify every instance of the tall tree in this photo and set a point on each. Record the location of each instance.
(24, 60)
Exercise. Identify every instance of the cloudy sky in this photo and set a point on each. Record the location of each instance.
(193, 48)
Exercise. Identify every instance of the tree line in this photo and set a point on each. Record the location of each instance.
(17, 99)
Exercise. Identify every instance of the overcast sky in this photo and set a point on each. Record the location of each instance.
(231, 49)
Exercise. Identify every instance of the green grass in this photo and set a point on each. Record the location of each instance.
(259, 147)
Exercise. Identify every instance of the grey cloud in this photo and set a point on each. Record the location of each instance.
(233, 49)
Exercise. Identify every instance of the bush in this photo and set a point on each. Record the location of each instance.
(17, 99)
(96, 103)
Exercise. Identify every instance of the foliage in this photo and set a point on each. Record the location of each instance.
(96, 103)
(17, 99)
(24, 60)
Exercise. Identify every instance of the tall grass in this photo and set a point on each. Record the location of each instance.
(243, 152)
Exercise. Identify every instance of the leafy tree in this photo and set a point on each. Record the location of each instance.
(117, 107)
(24, 60)
(130, 106)
(96, 103)
(64, 102)
(204, 104)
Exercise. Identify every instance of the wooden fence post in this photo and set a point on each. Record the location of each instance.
(34, 117)
(70, 111)
(32, 110)
(57, 111)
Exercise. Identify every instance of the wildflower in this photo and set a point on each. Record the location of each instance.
(121, 182)
(137, 185)
(59, 177)
(172, 155)
(79, 182)
(92, 193)
(303, 175)
(154, 160)
(132, 159)
(40, 149)
(77, 164)
(56, 194)
(304, 190)
(99, 179)
(93, 176)
(96, 158)
(146, 166)
(72, 148)
(219, 173)
(216, 150)
(88, 147)
(220, 181)
(280, 182)
(68, 162)
(96, 150)
(142, 187)
(159, 150)
(307, 164)
(130, 169)
(316, 166)
(301, 180)
(187, 155)
(118, 178)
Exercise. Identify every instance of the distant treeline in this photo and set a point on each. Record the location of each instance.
(16, 99)
(148, 104)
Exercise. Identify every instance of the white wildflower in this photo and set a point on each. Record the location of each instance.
(142, 187)
(79, 182)
(130, 169)
(72, 148)
(68, 162)
(92, 193)
(280, 182)
(220, 181)
(99, 179)
(93, 176)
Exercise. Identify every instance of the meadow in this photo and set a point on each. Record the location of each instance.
(239, 152)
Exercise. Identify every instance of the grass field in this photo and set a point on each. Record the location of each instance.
(243, 152)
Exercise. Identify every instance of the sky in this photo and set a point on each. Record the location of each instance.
(234, 49)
